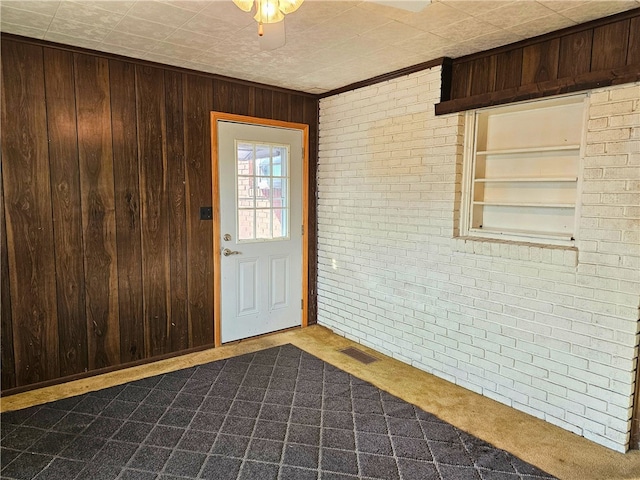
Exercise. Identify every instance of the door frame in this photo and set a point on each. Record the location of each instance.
(215, 183)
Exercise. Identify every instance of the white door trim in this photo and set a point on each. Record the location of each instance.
(217, 280)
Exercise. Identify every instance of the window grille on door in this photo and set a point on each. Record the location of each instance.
(262, 193)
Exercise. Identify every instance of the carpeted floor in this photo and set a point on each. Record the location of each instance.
(278, 413)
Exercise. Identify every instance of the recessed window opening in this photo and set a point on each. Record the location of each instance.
(522, 171)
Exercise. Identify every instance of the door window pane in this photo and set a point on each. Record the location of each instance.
(263, 192)
(263, 223)
(263, 160)
(245, 192)
(280, 157)
(245, 158)
(279, 192)
(278, 222)
(262, 201)
(246, 225)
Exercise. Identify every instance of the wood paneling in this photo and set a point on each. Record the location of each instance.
(127, 204)
(540, 62)
(67, 212)
(445, 79)
(539, 90)
(152, 161)
(508, 69)
(633, 52)
(610, 45)
(297, 110)
(198, 101)
(483, 76)
(105, 163)
(179, 331)
(98, 209)
(263, 103)
(575, 58)
(595, 54)
(241, 98)
(222, 96)
(28, 214)
(461, 73)
(8, 377)
(280, 105)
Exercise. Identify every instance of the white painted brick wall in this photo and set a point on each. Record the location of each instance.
(547, 330)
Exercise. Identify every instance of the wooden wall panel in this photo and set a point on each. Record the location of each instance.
(152, 161)
(67, 211)
(221, 96)
(508, 69)
(483, 76)
(575, 54)
(633, 52)
(105, 165)
(540, 61)
(240, 95)
(180, 333)
(610, 44)
(297, 110)
(595, 54)
(8, 377)
(98, 209)
(127, 204)
(27, 200)
(461, 86)
(280, 101)
(198, 101)
(263, 100)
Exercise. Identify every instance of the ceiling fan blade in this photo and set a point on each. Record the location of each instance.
(410, 5)
(274, 36)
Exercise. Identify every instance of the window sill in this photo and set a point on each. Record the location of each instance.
(550, 254)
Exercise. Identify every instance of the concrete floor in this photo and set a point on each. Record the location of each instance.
(550, 448)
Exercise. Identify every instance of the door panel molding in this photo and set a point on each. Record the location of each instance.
(217, 279)
(248, 275)
(279, 266)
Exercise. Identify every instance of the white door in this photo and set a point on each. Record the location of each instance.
(261, 217)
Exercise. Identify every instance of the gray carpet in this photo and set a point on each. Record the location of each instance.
(278, 414)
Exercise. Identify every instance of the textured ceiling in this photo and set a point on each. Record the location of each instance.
(330, 44)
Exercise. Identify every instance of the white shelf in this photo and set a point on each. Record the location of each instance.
(559, 148)
(526, 179)
(524, 233)
(526, 204)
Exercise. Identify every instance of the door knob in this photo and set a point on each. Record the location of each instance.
(226, 252)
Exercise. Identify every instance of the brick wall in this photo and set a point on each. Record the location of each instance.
(547, 330)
